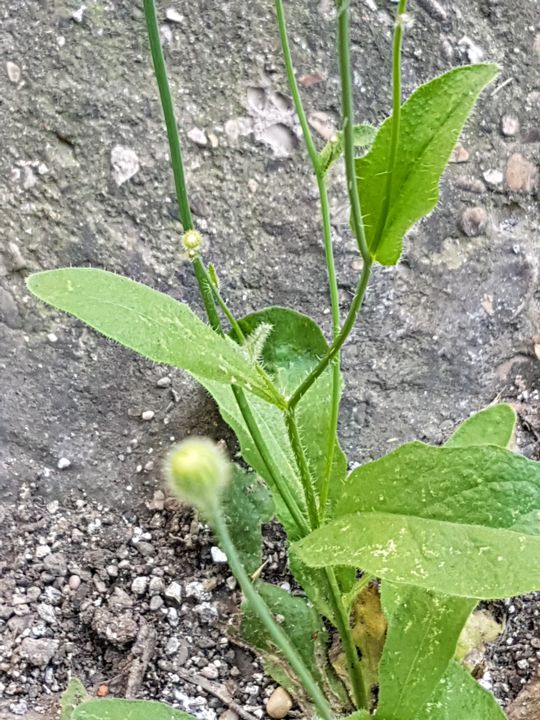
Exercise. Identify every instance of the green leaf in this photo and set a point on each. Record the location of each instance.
(424, 627)
(149, 322)
(127, 710)
(481, 485)
(74, 695)
(291, 350)
(460, 696)
(495, 425)
(431, 122)
(422, 633)
(305, 631)
(246, 506)
(364, 135)
(455, 559)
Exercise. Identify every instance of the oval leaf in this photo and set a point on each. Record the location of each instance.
(431, 122)
(149, 322)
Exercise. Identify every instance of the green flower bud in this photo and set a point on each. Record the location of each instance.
(199, 472)
(192, 241)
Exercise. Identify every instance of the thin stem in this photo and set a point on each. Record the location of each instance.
(396, 119)
(261, 609)
(205, 289)
(225, 308)
(303, 468)
(328, 251)
(168, 111)
(201, 274)
(351, 653)
(279, 481)
(347, 109)
(291, 78)
(340, 340)
(356, 589)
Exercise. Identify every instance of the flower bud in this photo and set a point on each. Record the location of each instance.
(192, 241)
(198, 473)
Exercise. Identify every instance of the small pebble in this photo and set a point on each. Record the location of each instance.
(509, 125)
(13, 72)
(198, 136)
(139, 585)
(148, 415)
(474, 221)
(279, 703)
(74, 582)
(174, 16)
(494, 178)
(218, 556)
(42, 551)
(164, 382)
(521, 174)
(174, 592)
(63, 463)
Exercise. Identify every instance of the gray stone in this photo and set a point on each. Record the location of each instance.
(38, 652)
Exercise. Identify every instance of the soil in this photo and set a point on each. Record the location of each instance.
(84, 180)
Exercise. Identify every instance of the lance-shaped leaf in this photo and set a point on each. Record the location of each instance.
(431, 122)
(149, 322)
(128, 710)
(246, 505)
(424, 627)
(460, 696)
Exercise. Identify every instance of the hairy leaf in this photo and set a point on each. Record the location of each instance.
(149, 322)
(364, 135)
(431, 122)
(247, 504)
(423, 626)
(127, 710)
(292, 348)
(460, 696)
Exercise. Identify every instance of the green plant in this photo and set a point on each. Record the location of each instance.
(393, 556)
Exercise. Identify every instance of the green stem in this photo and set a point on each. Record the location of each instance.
(354, 668)
(303, 468)
(261, 609)
(396, 120)
(340, 340)
(225, 308)
(205, 289)
(168, 111)
(347, 109)
(356, 589)
(291, 78)
(279, 481)
(328, 251)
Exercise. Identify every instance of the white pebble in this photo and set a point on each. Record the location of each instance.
(63, 463)
(148, 415)
(13, 71)
(218, 556)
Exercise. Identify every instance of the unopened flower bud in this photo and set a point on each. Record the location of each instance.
(199, 472)
(192, 241)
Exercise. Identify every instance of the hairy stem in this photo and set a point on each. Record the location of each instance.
(347, 111)
(328, 251)
(303, 468)
(396, 120)
(224, 307)
(341, 613)
(276, 633)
